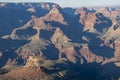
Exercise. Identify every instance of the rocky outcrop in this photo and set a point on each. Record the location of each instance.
(117, 48)
(24, 73)
(35, 61)
(112, 34)
(89, 22)
(31, 28)
(31, 49)
(39, 67)
(22, 14)
(112, 13)
(62, 43)
(87, 18)
(59, 37)
(55, 14)
(93, 21)
(68, 52)
(105, 11)
(90, 56)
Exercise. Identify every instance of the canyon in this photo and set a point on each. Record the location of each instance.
(43, 41)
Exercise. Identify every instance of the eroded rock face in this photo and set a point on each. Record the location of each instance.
(112, 34)
(109, 12)
(31, 49)
(117, 48)
(39, 67)
(62, 43)
(22, 14)
(50, 34)
(105, 11)
(87, 18)
(25, 72)
(55, 14)
(89, 56)
(89, 22)
(59, 37)
(67, 52)
(93, 21)
(33, 61)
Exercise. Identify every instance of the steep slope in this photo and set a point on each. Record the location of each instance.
(112, 13)
(56, 14)
(33, 30)
(14, 15)
(53, 44)
(93, 21)
(40, 68)
(63, 44)
(90, 56)
(57, 41)
(113, 33)
(59, 38)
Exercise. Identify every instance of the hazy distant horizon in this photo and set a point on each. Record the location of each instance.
(75, 3)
